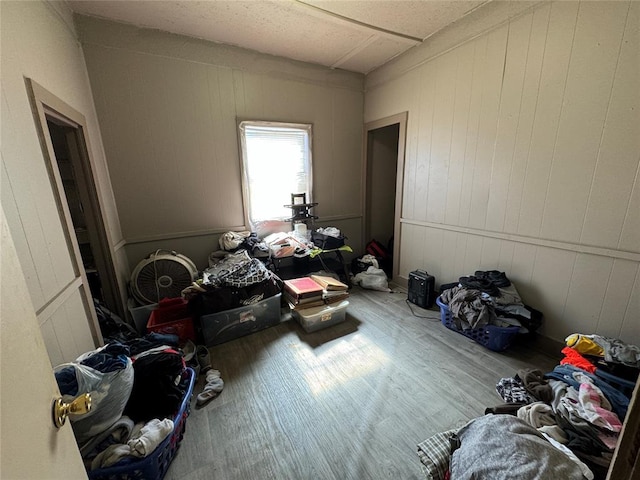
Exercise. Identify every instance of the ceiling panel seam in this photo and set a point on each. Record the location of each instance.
(337, 18)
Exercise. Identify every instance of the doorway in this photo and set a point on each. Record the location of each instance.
(61, 136)
(67, 155)
(384, 170)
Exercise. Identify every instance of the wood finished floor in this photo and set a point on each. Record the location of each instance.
(348, 402)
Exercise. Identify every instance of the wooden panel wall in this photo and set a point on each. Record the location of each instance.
(168, 108)
(39, 42)
(523, 150)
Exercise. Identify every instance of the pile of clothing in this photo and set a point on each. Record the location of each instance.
(488, 298)
(580, 404)
(560, 424)
(234, 280)
(136, 387)
(249, 241)
(498, 447)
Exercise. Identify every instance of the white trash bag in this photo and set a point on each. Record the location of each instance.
(109, 395)
(373, 279)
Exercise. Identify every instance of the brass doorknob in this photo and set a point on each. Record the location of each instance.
(61, 410)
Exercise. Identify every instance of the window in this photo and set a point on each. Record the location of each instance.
(276, 162)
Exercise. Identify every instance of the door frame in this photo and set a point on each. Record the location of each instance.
(46, 106)
(401, 120)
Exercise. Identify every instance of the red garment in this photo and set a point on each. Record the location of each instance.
(573, 357)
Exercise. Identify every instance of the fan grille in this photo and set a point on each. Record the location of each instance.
(158, 278)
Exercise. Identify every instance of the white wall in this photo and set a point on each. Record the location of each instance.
(39, 42)
(523, 149)
(168, 107)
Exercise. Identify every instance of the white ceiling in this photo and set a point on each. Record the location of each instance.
(355, 35)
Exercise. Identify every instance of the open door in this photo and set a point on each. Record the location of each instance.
(384, 177)
(31, 446)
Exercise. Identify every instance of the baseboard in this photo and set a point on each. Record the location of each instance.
(549, 346)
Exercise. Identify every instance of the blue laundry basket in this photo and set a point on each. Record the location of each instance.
(492, 337)
(155, 465)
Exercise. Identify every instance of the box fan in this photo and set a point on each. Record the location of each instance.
(163, 274)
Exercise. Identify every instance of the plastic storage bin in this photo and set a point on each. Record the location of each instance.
(140, 314)
(155, 465)
(326, 242)
(491, 336)
(316, 318)
(228, 325)
(172, 316)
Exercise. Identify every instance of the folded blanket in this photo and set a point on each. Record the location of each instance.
(434, 454)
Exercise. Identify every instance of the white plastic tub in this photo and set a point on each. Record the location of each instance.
(316, 318)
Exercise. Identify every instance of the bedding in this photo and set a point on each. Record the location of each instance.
(503, 447)
(434, 454)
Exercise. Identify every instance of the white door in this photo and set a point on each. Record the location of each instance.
(31, 447)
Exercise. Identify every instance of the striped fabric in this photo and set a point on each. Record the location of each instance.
(435, 453)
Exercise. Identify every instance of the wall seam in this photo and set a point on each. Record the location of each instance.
(628, 210)
(604, 298)
(604, 126)
(555, 141)
(535, 116)
(566, 295)
(500, 104)
(635, 283)
(515, 140)
(466, 130)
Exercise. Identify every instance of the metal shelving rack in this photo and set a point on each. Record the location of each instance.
(301, 211)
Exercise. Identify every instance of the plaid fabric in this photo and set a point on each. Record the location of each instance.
(435, 454)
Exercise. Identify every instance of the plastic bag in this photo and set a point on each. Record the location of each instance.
(109, 394)
(231, 240)
(373, 279)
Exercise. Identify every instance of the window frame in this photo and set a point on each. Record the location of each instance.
(246, 195)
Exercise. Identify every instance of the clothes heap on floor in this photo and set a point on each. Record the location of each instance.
(560, 424)
(488, 298)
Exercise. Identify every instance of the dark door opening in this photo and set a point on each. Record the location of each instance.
(64, 139)
(382, 165)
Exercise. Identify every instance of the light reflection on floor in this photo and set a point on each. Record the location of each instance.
(338, 362)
